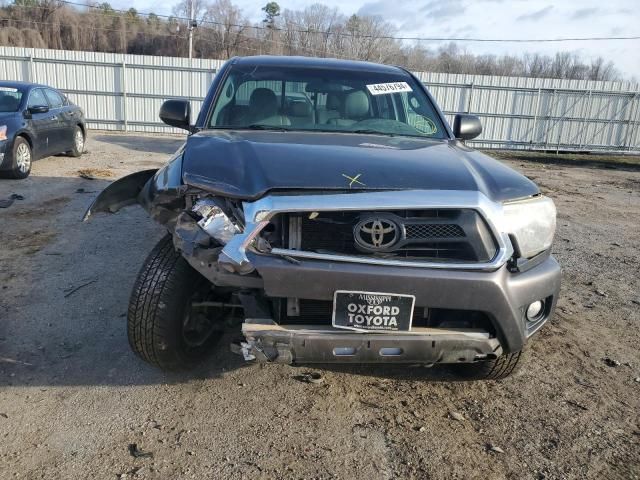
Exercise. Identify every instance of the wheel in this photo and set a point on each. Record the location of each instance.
(493, 369)
(22, 158)
(78, 143)
(166, 325)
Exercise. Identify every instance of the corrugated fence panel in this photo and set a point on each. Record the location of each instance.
(124, 92)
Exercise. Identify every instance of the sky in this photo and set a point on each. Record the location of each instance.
(535, 19)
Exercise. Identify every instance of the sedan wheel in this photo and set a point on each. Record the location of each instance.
(79, 140)
(78, 143)
(23, 158)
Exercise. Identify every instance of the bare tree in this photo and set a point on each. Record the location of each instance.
(229, 24)
(223, 31)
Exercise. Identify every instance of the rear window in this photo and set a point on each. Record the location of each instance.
(10, 99)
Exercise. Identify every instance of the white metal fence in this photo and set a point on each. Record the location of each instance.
(124, 92)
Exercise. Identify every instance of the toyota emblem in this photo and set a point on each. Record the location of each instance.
(376, 233)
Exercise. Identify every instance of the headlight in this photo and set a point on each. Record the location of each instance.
(3, 132)
(214, 221)
(532, 222)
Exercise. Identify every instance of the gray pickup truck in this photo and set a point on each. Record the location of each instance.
(331, 206)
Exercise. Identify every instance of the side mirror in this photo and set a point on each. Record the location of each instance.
(38, 109)
(466, 127)
(176, 113)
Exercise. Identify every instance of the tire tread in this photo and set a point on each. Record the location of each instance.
(164, 277)
(495, 369)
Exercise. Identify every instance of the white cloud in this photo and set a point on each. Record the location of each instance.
(536, 15)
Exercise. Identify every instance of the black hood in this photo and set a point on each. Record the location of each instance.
(248, 164)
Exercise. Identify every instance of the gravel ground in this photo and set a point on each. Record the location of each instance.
(73, 397)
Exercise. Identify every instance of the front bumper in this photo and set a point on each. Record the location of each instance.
(4, 144)
(268, 342)
(502, 295)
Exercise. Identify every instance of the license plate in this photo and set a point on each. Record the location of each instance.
(372, 311)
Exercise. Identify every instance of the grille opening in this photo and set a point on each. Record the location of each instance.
(429, 230)
(455, 235)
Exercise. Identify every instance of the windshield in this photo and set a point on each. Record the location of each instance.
(9, 99)
(284, 98)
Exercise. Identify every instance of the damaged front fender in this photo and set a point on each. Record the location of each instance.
(120, 193)
(159, 191)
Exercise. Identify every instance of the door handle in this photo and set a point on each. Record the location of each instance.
(54, 117)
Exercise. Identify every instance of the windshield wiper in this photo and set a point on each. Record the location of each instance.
(372, 132)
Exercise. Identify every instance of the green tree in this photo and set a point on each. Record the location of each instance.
(271, 10)
(106, 8)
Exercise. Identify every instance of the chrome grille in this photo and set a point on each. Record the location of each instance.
(452, 235)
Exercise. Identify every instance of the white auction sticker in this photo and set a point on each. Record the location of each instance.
(393, 87)
(8, 89)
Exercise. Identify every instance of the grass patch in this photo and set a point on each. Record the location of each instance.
(94, 173)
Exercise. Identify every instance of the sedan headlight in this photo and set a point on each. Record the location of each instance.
(214, 221)
(3, 132)
(532, 222)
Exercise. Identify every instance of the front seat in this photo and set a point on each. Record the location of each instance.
(263, 109)
(356, 108)
(332, 109)
(300, 113)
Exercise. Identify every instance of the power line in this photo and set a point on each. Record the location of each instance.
(384, 37)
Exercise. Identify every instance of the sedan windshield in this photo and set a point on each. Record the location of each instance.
(9, 99)
(284, 98)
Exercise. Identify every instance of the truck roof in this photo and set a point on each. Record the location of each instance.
(315, 62)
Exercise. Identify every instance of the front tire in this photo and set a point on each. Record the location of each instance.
(162, 326)
(78, 143)
(22, 158)
(494, 369)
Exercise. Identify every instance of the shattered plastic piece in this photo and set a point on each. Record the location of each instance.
(457, 416)
(6, 203)
(312, 377)
(611, 362)
(495, 449)
(214, 221)
(235, 348)
(187, 235)
(205, 207)
(136, 453)
(247, 352)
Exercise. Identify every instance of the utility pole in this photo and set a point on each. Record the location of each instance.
(192, 24)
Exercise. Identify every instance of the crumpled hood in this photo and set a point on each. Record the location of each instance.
(248, 164)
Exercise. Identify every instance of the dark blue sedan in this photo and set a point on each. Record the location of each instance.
(36, 121)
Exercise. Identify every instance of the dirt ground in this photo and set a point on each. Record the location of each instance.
(73, 397)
